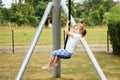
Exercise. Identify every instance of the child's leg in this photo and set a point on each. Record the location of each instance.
(61, 53)
(49, 65)
(51, 61)
(55, 61)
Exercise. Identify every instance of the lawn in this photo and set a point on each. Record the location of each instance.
(78, 67)
(24, 36)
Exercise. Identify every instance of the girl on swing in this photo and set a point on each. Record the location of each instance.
(73, 38)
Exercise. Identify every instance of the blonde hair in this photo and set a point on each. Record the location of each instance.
(84, 31)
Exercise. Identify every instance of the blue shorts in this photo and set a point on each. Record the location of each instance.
(61, 53)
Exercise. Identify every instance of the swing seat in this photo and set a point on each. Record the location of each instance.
(64, 57)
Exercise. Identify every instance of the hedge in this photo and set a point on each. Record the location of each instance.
(113, 18)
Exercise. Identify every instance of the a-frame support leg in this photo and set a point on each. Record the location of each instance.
(86, 47)
(34, 42)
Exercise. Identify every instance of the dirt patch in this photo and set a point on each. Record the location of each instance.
(48, 48)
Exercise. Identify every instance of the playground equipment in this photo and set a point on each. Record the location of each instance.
(56, 71)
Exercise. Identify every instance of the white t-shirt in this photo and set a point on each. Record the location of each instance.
(72, 42)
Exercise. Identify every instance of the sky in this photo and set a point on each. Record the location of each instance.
(8, 2)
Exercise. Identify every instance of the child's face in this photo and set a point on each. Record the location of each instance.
(77, 29)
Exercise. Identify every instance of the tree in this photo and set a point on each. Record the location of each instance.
(79, 8)
(36, 2)
(40, 8)
(1, 5)
(98, 8)
(23, 14)
(4, 15)
(101, 12)
(108, 4)
(95, 17)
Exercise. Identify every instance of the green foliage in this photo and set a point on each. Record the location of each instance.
(101, 12)
(23, 14)
(73, 10)
(63, 19)
(39, 9)
(95, 17)
(4, 15)
(114, 28)
(91, 7)
(39, 6)
(33, 21)
(108, 4)
(36, 2)
(33, 10)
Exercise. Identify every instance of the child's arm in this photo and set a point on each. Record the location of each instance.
(67, 29)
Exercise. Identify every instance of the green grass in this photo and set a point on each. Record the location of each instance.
(97, 35)
(24, 36)
(78, 67)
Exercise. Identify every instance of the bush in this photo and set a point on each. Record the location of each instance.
(113, 18)
(4, 16)
(33, 21)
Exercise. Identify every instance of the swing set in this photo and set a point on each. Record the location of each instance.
(56, 22)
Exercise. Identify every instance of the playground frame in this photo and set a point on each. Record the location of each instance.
(56, 39)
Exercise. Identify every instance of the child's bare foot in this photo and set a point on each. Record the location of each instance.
(46, 67)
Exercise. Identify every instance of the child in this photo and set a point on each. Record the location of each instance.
(73, 38)
(83, 21)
